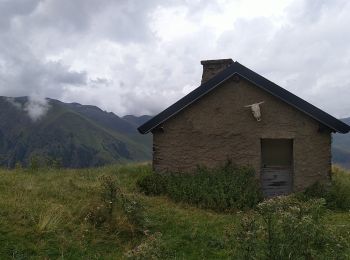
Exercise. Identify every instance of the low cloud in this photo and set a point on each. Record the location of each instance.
(36, 107)
(13, 102)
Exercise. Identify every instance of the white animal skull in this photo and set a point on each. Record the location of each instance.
(256, 110)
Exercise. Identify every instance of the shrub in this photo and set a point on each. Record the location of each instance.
(316, 190)
(135, 213)
(116, 209)
(96, 214)
(53, 163)
(154, 184)
(247, 238)
(290, 229)
(222, 188)
(337, 194)
(34, 163)
(110, 192)
(18, 166)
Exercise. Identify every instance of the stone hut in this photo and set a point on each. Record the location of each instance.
(239, 115)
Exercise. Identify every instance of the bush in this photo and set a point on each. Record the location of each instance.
(222, 188)
(116, 209)
(154, 184)
(316, 190)
(34, 163)
(247, 238)
(289, 229)
(337, 194)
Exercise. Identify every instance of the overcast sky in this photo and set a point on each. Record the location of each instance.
(138, 56)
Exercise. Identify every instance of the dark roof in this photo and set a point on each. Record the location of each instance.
(237, 69)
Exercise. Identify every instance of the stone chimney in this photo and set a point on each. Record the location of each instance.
(213, 67)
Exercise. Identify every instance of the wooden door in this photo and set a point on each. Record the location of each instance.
(276, 166)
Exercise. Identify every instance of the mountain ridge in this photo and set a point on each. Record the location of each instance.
(75, 135)
(341, 148)
(79, 135)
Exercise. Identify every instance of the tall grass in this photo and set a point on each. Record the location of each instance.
(42, 216)
(42, 213)
(287, 228)
(336, 194)
(51, 218)
(223, 188)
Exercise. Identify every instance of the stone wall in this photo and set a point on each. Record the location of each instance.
(218, 127)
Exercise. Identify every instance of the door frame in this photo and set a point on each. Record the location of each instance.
(292, 160)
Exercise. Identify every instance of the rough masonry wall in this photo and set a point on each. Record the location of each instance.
(218, 127)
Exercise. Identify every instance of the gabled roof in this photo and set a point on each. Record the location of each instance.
(237, 69)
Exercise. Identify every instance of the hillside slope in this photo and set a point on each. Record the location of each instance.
(73, 134)
(84, 136)
(341, 148)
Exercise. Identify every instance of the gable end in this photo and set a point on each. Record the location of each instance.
(258, 80)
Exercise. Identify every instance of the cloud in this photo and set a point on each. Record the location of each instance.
(23, 73)
(11, 9)
(141, 56)
(36, 107)
(13, 102)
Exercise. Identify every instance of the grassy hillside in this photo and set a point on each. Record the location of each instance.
(341, 148)
(51, 214)
(74, 135)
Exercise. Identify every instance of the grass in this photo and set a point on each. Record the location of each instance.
(42, 217)
(222, 189)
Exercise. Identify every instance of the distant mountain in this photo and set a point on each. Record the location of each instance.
(75, 135)
(85, 136)
(341, 148)
(136, 121)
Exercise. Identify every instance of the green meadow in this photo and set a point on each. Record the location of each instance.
(101, 213)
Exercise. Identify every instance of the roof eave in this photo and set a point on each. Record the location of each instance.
(140, 128)
(291, 104)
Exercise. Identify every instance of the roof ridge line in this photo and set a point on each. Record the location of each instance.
(256, 79)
